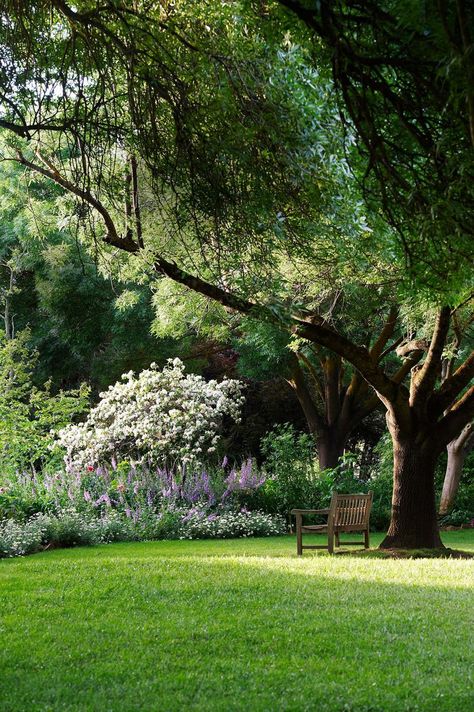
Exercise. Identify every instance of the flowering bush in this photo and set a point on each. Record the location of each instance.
(71, 528)
(17, 539)
(132, 491)
(163, 416)
(129, 503)
(199, 525)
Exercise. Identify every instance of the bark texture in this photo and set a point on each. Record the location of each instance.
(414, 522)
(457, 450)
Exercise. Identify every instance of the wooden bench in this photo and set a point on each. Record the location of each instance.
(347, 513)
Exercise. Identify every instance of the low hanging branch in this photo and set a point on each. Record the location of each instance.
(390, 390)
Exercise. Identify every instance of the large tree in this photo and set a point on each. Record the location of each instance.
(239, 162)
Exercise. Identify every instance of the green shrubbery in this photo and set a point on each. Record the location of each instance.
(68, 528)
(293, 479)
(47, 500)
(30, 416)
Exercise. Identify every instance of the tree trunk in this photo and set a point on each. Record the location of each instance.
(329, 451)
(414, 522)
(457, 451)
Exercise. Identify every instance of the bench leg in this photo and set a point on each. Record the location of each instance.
(337, 539)
(331, 543)
(366, 539)
(299, 536)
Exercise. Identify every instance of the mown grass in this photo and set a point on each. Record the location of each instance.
(235, 625)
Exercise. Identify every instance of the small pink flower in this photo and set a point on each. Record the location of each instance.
(90, 468)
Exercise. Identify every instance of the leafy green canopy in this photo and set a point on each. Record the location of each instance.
(404, 71)
(89, 318)
(242, 150)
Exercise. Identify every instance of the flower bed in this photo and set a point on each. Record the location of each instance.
(69, 528)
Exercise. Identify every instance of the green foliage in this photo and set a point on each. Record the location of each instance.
(69, 527)
(29, 415)
(20, 538)
(294, 480)
(289, 462)
(463, 511)
(262, 348)
(89, 318)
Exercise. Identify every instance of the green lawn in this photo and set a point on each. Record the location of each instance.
(235, 625)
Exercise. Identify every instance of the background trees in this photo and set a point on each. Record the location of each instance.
(245, 181)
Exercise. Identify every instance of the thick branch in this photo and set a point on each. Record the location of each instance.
(453, 385)
(332, 368)
(298, 382)
(385, 334)
(313, 373)
(454, 421)
(426, 377)
(405, 368)
(465, 440)
(408, 348)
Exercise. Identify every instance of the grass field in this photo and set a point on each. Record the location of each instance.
(235, 625)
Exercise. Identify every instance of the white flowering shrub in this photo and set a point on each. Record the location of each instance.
(164, 417)
(201, 525)
(18, 538)
(68, 527)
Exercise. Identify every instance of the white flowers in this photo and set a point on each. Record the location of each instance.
(163, 416)
(17, 539)
(231, 525)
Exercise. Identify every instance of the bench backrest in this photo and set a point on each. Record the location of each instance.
(351, 510)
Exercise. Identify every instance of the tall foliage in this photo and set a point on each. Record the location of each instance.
(30, 415)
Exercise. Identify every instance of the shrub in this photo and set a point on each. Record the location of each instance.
(458, 518)
(18, 539)
(71, 528)
(202, 525)
(162, 417)
(290, 472)
(292, 478)
(128, 489)
(28, 414)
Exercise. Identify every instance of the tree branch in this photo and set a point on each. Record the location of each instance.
(442, 399)
(298, 382)
(313, 330)
(385, 334)
(426, 377)
(454, 421)
(50, 171)
(312, 372)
